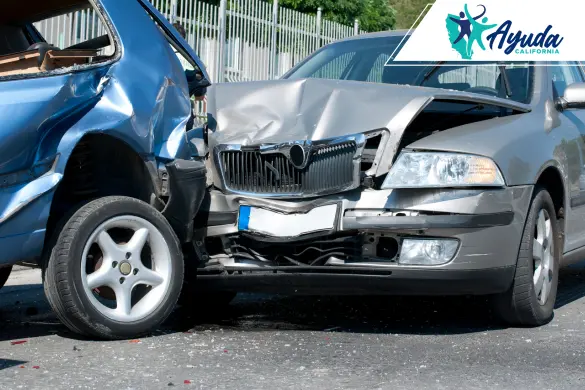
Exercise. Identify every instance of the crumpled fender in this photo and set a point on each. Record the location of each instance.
(144, 103)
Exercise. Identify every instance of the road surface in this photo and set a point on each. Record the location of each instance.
(276, 342)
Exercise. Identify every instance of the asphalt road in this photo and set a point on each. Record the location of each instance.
(273, 342)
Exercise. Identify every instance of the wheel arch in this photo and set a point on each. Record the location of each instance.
(550, 177)
(101, 165)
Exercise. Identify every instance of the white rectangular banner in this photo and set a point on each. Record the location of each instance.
(497, 30)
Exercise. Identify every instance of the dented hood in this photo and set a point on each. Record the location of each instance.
(313, 109)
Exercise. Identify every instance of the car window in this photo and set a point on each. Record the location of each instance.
(334, 68)
(465, 77)
(367, 60)
(69, 37)
(564, 74)
(178, 42)
(185, 63)
(377, 72)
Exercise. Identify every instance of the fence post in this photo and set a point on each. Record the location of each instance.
(356, 27)
(173, 15)
(318, 27)
(273, 60)
(222, 37)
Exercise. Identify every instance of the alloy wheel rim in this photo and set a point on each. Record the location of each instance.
(126, 268)
(543, 257)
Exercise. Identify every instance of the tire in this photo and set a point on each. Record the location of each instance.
(116, 270)
(4, 275)
(522, 304)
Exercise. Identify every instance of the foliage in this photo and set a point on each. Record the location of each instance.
(407, 11)
(373, 15)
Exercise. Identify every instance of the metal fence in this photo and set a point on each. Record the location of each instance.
(239, 40)
(242, 40)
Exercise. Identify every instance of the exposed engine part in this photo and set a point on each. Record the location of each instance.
(313, 253)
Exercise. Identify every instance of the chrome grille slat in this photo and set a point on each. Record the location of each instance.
(330, 168)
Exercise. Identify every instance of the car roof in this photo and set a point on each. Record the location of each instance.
(381, 34)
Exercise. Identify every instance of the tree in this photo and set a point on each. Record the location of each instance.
(407, 11)
(373, 15)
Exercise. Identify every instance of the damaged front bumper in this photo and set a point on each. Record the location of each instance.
(368, 245)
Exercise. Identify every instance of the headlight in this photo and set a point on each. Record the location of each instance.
(428, 170)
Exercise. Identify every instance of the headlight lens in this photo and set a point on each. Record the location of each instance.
(428, 170)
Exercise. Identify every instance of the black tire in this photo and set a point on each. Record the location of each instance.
(4, 275)
(63, 277)
(519, 306)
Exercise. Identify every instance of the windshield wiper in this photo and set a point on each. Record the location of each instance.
(506, 80)
(431, 72)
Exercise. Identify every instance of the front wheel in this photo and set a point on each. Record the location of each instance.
(4, 275)
(116, 270)
(531, 299)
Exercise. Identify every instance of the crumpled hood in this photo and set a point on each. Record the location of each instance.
(314, 109)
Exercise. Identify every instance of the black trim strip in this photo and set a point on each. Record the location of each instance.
(422, 222)
(219, 218)
(338, 281)
(187, 184)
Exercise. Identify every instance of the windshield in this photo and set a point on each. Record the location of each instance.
(365, 59)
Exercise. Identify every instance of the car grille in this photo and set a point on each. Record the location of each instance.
(330, 169)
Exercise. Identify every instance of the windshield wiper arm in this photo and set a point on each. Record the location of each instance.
(506, 80)
(431, 72)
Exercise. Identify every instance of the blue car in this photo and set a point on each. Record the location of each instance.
(97, 183)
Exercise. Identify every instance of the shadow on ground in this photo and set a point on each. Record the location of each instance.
(7, 363)
(385, 314)
(24, 313)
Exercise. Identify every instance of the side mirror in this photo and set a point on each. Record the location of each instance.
(574, 97)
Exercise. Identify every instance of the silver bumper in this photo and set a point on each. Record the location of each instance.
(488, 223)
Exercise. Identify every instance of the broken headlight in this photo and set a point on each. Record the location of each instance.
(429, 170)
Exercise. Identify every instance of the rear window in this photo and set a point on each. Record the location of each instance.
(39, 37)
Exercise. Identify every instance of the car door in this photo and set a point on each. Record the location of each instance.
(564, 74)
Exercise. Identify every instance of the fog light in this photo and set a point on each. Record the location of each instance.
(427, 252)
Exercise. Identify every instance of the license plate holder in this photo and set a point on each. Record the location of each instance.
(277, 224)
